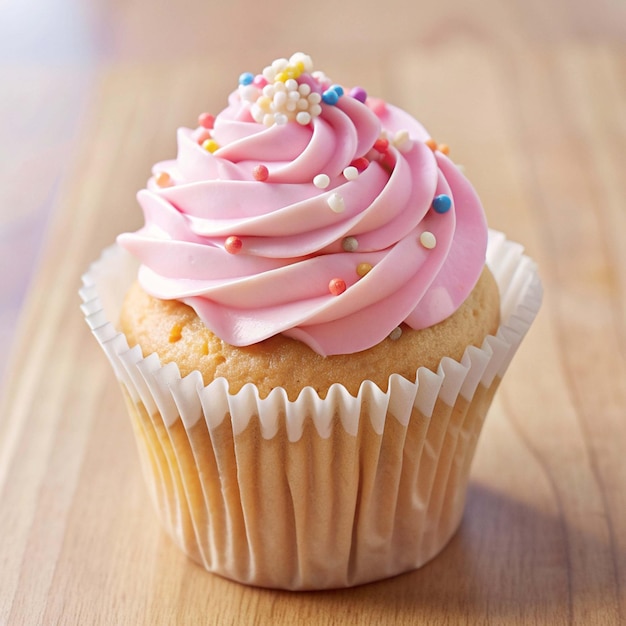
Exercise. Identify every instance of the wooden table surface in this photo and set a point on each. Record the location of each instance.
(531, 97)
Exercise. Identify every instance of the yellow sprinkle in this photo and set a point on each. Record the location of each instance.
(176, 332)
(264, 103)
(363, 268)
(284, 76)
(210, 145)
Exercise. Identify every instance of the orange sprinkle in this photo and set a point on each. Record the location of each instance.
(163, 179)
(363, 268)
(431, 143)
(444, 148)
(176, 332)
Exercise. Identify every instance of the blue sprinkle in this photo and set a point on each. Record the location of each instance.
(338, 89)
(330, 96)
(246, 78)
(442, 203)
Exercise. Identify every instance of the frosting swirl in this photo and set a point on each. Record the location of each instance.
(333, 227)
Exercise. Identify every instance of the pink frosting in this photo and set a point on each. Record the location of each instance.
(294, 243)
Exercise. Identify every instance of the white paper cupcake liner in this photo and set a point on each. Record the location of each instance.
(315, 493)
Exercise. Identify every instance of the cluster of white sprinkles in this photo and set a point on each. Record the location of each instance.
(289, 90)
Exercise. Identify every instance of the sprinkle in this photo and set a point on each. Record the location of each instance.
(358, 93)
(442, 203)
(330, 96)
(338, 89)
(431, 143)
(246, 78)
(303, 117)
(363, 268)
(427, 239)
(282, 92)
(395, 334)
(163, 179)
(335, 202)
(233, 245)
(351, 172)
(176, 332)
(361, 163)
(337, 286)
(260, 172)
(259, 81)
(321, 181)
(350, 244)
(381, 145)
(202, 135)
(377, 105)
(443, 148)
(206, 120)
(280, 119)
(210, 145)
(402, 141)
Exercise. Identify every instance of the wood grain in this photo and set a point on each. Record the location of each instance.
(532, 98)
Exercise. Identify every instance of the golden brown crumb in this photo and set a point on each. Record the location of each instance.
(156, 325)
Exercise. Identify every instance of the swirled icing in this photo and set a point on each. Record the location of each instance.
(293, 237)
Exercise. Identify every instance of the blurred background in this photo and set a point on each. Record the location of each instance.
(58, 58)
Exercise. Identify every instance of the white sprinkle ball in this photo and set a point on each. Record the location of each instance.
(249, 93)
(280, 64)
(291, 84)
(395, 334)
(428, 240)
(321, 181)
(280, 98)
(350, 244)
(336, 204)
(304, 89)
(280, 119)
(303, 118)
(351, 172)
(402, 141)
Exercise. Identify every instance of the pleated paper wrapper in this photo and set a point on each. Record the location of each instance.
(312, 493)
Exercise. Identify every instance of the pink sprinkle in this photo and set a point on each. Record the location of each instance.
(337, 286)
(377, 105)
(259, 81)
(260, 172)
(206, 120)
(233, 245)
(202, 135)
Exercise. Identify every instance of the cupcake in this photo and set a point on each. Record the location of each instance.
(308, 332)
